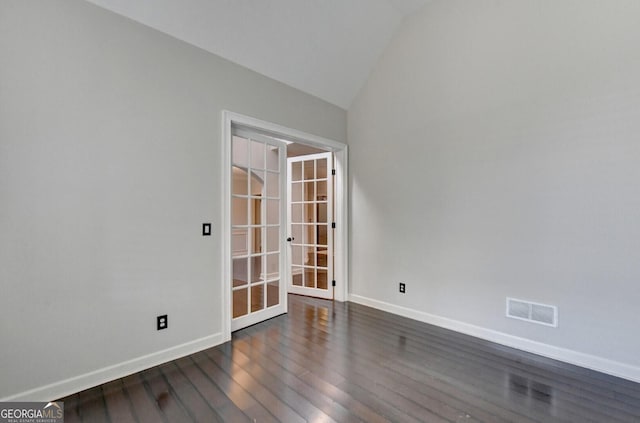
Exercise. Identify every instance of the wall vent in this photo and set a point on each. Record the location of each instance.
(532, 312)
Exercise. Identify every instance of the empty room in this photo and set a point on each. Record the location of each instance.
(319, 210)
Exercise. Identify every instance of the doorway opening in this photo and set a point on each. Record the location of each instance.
(262, 162)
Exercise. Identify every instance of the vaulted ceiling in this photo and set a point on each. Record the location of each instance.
(323, 47)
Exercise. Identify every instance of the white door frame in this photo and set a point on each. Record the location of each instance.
(341, 235)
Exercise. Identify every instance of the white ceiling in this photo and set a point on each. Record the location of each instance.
(323, 47)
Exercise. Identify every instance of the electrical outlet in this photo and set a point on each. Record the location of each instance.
(206, 229)
(163, 322)
(402, 288)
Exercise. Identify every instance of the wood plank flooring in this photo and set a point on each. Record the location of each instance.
(344, 362)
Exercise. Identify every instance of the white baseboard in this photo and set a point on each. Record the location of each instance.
(600, 364)
(79, 383)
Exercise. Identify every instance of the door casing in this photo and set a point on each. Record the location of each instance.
(341, 241)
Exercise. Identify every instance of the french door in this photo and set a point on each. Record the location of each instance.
(310, 214)
(258, 212)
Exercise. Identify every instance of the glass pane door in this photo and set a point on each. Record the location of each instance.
(257, 235)
(310, 216)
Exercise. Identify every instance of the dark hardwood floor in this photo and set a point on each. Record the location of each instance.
(339, 362)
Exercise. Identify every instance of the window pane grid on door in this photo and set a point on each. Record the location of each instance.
(321, 190)
(309, 235)
(272, 267)
(272, 212)
(241, 297)
(321, 169)
(240, 151)
(309, 202)
(310, 217)
(256, 266)
(259, 279)
(309, 190)
(257, 155)
(310, 277)
(240, 206)
(257, 297)
(322, 280)
(273, 293)
(255, 222)
(309, 169)
(273, 185)
(273, 159)
(252, 226)
(256, 183)
(296, 171)
(296, 192)
(313, 267)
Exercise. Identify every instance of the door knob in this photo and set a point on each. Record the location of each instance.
(290, 239)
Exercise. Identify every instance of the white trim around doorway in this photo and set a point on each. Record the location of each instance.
(341, 241)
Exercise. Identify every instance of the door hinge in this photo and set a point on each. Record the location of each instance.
(333, 171)
(333, 225)
(333, 283)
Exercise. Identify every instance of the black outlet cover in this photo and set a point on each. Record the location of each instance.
(163, 322)
(206, 229)
(402, 288)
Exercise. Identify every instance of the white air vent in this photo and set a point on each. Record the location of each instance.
(532, 312)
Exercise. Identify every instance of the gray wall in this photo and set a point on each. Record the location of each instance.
(109, 163)
(495, 152)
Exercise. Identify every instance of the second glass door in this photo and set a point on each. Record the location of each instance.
(310, 213)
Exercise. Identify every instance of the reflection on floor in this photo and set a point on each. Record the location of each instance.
(344, 362)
